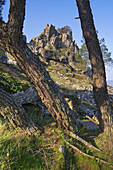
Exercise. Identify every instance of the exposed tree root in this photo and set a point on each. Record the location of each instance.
(73, 135)
(87, 155)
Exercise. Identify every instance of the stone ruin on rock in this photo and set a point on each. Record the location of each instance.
(51, 45)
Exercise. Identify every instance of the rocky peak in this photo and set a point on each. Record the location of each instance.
(55, 46)
(49, 31)
(67, 38)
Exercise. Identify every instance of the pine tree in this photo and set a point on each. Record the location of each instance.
(84, 54)
(105, 113)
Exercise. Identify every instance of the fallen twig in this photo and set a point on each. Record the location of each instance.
(46, 162)
(73, 135)
(92, 157)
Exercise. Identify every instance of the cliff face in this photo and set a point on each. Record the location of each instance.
(52, 45)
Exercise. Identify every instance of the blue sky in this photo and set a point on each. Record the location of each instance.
(63, 12)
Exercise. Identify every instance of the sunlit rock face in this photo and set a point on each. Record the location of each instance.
(51, 45)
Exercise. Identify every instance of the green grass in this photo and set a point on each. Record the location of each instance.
(12, 79)
(21, 151)
(18, 150)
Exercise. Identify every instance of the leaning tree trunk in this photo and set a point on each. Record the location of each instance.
(15, 115)
(47, 89)
(11, 40)
(98, 69)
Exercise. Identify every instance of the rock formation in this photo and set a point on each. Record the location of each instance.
(51, 45)
(6, 58)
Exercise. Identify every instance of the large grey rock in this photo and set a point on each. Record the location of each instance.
(63, 59)
(51, 55)
(89, 125)
(41, 52)
(66, 39)
(6, 58)
(56, 42)
(29, 96)
(52, 45)
(49, 31)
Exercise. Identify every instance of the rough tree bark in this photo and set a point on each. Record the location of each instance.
(15, 115)
(101, 97)
(11, 40)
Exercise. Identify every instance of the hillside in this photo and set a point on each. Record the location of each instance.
(50, 151)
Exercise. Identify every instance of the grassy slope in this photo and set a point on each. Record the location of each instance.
(12, 79)
(21, 151)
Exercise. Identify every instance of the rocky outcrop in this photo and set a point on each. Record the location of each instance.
(51, 45)
(6, 58)
(89, 125)
(27, 97)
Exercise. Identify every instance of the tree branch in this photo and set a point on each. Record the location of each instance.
(73, 135)
(87, 155)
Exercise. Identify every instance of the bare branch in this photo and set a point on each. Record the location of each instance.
(77, 18)
(73, 135)
(87, 155)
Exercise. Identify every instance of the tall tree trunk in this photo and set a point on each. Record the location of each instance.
(101, 97)
(11, 40)
(15, 115)
(47, 89)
